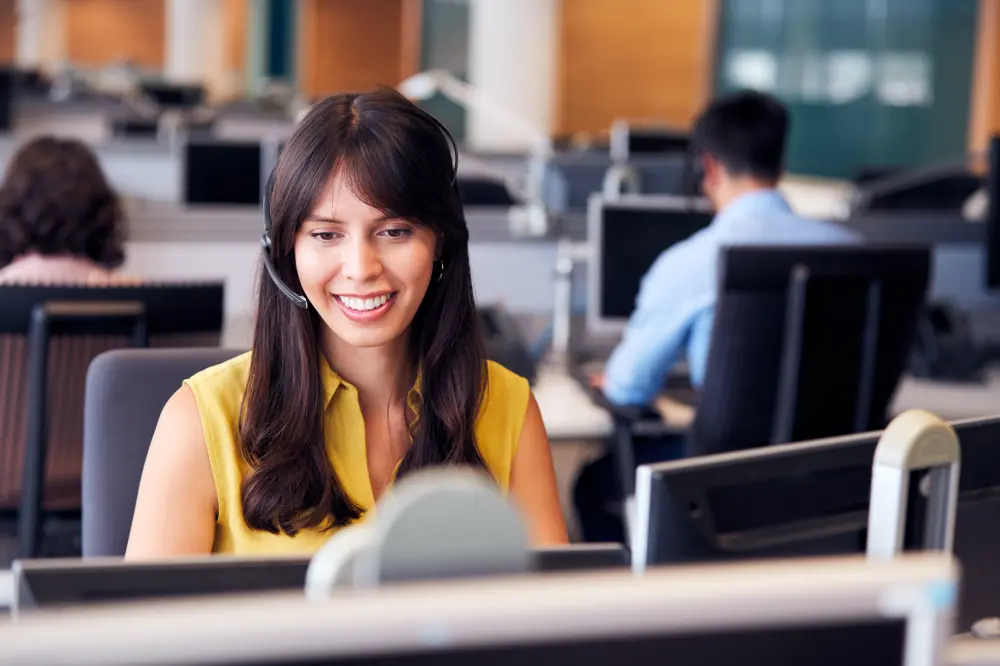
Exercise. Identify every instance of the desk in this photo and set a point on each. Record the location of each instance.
(567, 410)
(949, 400)
(569, 414)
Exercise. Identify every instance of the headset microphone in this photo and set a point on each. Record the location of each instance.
(265, 242)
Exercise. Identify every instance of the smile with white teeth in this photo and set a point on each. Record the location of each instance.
(364, 304)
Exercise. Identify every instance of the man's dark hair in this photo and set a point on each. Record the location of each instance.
(746, 132)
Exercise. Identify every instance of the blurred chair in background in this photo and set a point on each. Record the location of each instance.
(48, 336)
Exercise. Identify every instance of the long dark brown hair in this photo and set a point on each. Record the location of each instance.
(55, 200)
(400, 160)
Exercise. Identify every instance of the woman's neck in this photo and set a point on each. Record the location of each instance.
(380, 374)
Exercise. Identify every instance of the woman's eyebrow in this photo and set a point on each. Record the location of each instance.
(332, 220)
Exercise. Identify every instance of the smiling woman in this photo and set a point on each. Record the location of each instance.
(383, 373)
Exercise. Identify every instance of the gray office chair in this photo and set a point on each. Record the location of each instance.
(808, 342)
(126, 390)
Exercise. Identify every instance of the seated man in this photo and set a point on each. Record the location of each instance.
(740, 142)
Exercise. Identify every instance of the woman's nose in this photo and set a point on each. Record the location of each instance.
(362, 262)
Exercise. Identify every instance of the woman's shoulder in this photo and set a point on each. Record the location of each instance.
(234, 371)
(500, 380)
(223, 383)
(506, 396)
(501, 419)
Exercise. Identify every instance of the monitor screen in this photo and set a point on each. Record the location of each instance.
(632, 237)
(222, 173)
(655, 142)
(46, 584)
(873, 643)
(826, 612)
(42, 585)
(992, 231)
(788, 500)
(173, 96)
(6, 99)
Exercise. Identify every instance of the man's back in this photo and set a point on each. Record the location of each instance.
(674, 310)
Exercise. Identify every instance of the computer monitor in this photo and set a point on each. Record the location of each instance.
(134, 127)
(222, 173)
(51, 583)
(629, 140)
(812, 498)
(785, 500)
(7, 78)
(821, 613)
(580, 557)
(485, 191)
(977, 518)
(173, 95)
(626, 235)
(663, 175)
(992, 230)
(571, 178)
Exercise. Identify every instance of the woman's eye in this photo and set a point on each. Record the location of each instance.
(325, 236)
(396, 232)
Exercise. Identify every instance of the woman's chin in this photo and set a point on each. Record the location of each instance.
(363, 334)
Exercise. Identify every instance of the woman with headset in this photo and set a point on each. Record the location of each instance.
(367, 360)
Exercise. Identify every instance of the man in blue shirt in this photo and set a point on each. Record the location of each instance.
(740, 142)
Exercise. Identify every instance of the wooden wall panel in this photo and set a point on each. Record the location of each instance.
(638, 59)
(8, 30)
(411, 31)
(99, 32)
(985, 105)
(237, 13)
(346, 45)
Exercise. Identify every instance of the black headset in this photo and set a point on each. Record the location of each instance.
(265, 244)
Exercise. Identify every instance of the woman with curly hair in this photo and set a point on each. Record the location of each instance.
(60, 221)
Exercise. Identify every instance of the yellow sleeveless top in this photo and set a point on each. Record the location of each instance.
(219, 393)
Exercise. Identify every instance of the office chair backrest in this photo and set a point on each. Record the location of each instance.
(173, 315)
(126, 390)
(807, 342)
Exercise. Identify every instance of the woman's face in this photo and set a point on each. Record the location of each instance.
(365, 274)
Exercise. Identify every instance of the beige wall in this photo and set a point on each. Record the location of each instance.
(639, 59)
(99, 32)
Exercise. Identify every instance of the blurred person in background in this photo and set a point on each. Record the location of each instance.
(739, 141)
(60, 221)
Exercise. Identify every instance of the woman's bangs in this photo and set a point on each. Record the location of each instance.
(385, 175)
